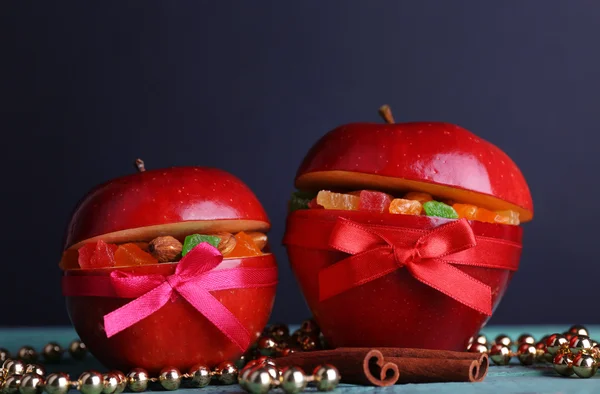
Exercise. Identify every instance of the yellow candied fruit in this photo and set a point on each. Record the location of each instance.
(330, 200)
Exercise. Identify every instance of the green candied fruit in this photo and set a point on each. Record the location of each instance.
(300, 200)
(436, 208)
(194, 240)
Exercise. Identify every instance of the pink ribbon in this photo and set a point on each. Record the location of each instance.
(194, 279)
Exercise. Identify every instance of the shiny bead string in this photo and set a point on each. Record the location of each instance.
(259, 374)
(570, 353)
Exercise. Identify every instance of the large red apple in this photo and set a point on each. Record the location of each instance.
(442, 159)
(176, 201)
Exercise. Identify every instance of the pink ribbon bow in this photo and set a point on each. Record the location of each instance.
(194, 279)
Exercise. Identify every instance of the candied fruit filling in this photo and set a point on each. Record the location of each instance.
(164, 249)
(411, 203)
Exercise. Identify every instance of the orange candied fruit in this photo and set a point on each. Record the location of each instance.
(131, 254)
(69, 260)
(245, 246)
(330, 200)
(508, 217)
(406, 207)
(418, 196)
(466, 211)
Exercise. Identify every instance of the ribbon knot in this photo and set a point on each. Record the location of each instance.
(377, 251)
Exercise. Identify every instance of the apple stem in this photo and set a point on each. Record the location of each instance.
(386, 113)
(139, 164)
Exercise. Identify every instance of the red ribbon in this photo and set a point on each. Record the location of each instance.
(194, 278)
(428, 255)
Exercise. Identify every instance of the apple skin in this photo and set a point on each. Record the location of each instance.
(395, 310)
(176, 335)
(160, 197)
(430, 153)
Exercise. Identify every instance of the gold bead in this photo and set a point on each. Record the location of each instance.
(11, 384)
(110, 383)
(27, 354)
(77, 349)
(579, 342)
(278, 332)
(57, 383)
(13, 367)
(584, 365)
(526, 338)
(477, 348)
(500, 354)
(121, 379)
(52, 352)
(578, 329)
(4, 355)
(563, 364)
(555, 342)
(31, 383)
(266, 346)
(503, 340)
(91, 382)
(310, 326)
(226, 372)
(259, 381)
(200, 376)
(308, 342)
(138, 380)
(326, 377)
(245, 373)
(481, 339)
(293, 380)
(35, 368)
(526, 353)
(170, 378)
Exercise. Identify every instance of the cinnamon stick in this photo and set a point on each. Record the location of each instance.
(388, 366)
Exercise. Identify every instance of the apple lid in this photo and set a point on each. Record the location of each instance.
(174, 201)
(439, 158)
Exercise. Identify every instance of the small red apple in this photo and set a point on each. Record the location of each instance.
(442, 159)
(176, 201)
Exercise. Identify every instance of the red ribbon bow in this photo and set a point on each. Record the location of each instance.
(194, 279)
(377, 253)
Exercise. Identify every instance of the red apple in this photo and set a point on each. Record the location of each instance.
(175, 201)
(442, 159)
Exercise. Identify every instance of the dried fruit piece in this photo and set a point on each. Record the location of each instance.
(418, 196)
(508, 217)
(85, 254)
(439, 209)
(195, 239)
(374, 201)
(245, 246)
(97, 255)
(330, 200)
(104, 255)
(130, 254)
(259, 239)
(466, 211)
(165, 249)
(484, 215)
(405, 207)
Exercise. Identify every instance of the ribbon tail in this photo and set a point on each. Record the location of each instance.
(454, 283)
(217, 314)
(136, 310)
(355, 271)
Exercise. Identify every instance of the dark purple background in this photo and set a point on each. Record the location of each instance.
(85, 88)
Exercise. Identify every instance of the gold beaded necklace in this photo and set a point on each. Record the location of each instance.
(258, 375)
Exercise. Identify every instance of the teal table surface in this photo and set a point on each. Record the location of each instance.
(500, 379)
